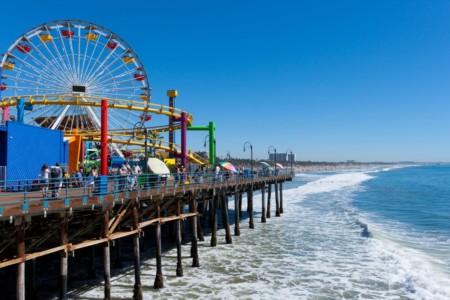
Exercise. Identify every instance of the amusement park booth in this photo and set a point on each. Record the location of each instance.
(24, 149)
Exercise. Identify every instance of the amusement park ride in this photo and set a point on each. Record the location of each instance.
(56, 76)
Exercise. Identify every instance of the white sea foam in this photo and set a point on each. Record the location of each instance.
(314, 251)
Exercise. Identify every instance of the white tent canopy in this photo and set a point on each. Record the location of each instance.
(157, 166)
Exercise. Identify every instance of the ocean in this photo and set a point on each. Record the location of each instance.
(378, 233)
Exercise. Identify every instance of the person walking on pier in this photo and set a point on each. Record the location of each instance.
(45, 173)
(79, 178)
(123, 172)
(57, 180)
(216, 173)
(90, 181)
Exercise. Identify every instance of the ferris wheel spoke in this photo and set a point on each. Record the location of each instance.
(106, 68)
(37, 85)
(79, 54)
(35, 75)
(40, 67)
(113, 71)
(94, 47)
(69, 66)
(117, 80)
(60, 118)
(93, 73)
(58, 53)
(75, 70)
(96, 61)
(55, 64)
(66, 66)
(84, 56)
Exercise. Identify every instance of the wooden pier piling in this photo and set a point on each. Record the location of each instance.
(281, 197)
(277, 201)
(20, 279)
(269, 195)
(224, 211)
(213, 207)
(137, 290)
(237, 212)
(240, 205)
(194, 222)
(251, 221)
(159, 283)
(106, 254)
(263, 204)
(64, 256)
(178, 238)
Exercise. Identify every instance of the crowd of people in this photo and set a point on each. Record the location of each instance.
(53, 179)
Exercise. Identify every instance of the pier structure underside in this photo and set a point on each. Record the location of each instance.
(65, 225)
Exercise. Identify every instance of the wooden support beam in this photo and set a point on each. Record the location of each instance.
(178, 238)
(64, 257)
(240, 205)
(119, 217)
(213, 208)
(277, 201)
(263, 203)
(106, 255)
(251, 221)
(159, 283)
(20, 279)
(194, 223)
(166, 219)
(281, 197)
(269, 194)
(224, 211)
(137, 290)
(237, 213)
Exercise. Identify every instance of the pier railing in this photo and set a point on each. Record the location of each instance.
(32, 192)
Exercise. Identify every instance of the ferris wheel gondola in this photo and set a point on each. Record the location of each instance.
(75, 59)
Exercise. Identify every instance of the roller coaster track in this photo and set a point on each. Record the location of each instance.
(134, 136)
(79, 100)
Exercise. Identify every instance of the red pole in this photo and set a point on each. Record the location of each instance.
(104, 139)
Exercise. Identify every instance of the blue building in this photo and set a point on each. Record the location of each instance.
(24, 149)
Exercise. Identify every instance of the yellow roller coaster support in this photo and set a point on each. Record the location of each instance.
(172, 93)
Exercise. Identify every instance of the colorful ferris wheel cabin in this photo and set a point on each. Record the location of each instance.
(24, 48)
(112, 45)
(91, 37)
(139, 77)
(9, 65)
(67, 33)
(128, 59)
(46, 37)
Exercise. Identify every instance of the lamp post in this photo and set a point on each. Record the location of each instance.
(290, 158)
(275, 151)
(251, 157)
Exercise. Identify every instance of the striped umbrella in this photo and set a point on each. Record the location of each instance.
(228, 166)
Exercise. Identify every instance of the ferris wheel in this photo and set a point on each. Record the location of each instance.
(71, 59)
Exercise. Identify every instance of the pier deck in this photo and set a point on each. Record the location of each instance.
(33, 226)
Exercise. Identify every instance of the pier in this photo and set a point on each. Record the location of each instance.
(85, 115)
(34, 227)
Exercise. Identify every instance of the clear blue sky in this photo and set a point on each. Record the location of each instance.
(332, 80)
